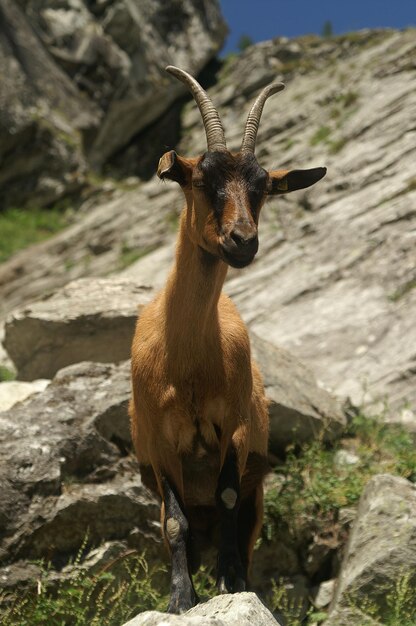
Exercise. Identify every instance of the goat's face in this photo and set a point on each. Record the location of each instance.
(225, 193)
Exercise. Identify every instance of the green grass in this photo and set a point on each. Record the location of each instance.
(404, 289)
(337, 145)
(6, 374)
(19, 228)
(313, 487)
(104, 599)
(400, 609)
(320, 135)
(128, 255)
(110, 597)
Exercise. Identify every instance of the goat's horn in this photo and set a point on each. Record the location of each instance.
(212, 123)
(253, 119)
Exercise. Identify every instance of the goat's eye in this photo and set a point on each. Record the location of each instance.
(199, 184)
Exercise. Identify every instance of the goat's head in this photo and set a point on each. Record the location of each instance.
(225, 191)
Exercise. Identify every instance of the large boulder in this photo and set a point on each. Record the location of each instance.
(42, 115)
(66, 469)
(80, 79)
(88, 320)
(244, 609)
(381, 548)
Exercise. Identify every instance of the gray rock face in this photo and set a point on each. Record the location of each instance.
(94, 319)
(299, 410)
(350, 617)
(88, 320)
(382, 545)
(41, 116)
(16, 391)
(81, 78)
(333, 280)
(65, 467)
(335, 272)
(244, 609)
(132, 222)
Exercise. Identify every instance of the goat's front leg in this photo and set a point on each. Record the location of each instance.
(176, 533)
(231, 574)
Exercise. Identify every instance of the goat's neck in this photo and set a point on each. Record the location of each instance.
(192, 291)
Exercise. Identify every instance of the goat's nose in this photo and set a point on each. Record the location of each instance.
(243, 237)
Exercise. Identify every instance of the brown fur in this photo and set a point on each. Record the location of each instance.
(196, 391)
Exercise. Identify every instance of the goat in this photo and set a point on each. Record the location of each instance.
(199, 414)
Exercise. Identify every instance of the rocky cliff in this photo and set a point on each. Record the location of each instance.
(80, 79)
(334, 278)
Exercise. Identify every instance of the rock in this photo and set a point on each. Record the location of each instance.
(299, 409)
(65, 468)
(79, 80)
(350, 617)
(88, 320)
(244, 609)
(404, 417)
(15, 391)
(323, 594)
(42, 115)
(345, 457)
(104, 239)
(381, 547)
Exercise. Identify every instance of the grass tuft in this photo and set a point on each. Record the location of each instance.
(20, 228)
(6, 374)
(103, 599)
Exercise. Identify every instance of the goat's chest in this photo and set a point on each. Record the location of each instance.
(191, 421)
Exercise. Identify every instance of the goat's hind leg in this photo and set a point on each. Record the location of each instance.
(176, 533)
(231, 574)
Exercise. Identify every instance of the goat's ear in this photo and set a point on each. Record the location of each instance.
(174, 167)
(284, 181)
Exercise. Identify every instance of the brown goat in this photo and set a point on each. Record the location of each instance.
(199, 413)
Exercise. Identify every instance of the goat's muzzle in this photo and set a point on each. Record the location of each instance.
(239, 248)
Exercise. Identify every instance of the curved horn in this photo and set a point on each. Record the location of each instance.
(212, 123)
(253, 119)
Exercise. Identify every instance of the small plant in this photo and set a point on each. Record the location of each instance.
(320, 135)
(401, 602)
(6, 374)
(128, 255)
(292, 607)
(399, 608)
(281, 601)
(103, 599)
(337, 145)
(327, 30)
(313, 487)
(244, 42)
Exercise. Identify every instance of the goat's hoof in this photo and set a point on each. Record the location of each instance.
(231, 574)
(231, 584)
(180, 603)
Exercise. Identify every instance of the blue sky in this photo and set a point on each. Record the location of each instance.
(265, 19)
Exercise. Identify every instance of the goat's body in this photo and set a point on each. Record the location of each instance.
(195, 391)
(199, 413)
